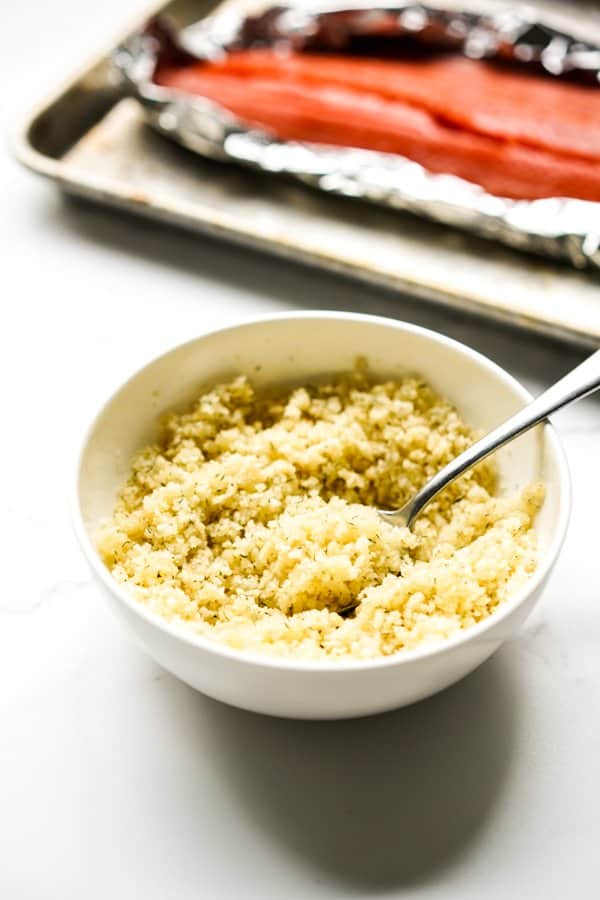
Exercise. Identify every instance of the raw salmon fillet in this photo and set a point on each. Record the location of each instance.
(515, 134)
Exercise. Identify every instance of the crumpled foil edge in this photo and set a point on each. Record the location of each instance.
(560, 228)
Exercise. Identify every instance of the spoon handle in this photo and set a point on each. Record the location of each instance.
(581, 381)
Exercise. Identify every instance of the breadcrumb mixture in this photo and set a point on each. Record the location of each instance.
(253, 521)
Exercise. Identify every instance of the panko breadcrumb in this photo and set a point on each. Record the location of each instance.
(253, 521)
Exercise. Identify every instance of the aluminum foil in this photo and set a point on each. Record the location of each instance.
(558, 227)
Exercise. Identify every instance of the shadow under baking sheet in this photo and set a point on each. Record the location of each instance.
(296, 286)
(529, 357)
(367, 804)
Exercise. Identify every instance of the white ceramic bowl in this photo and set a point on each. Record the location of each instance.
(298, 347)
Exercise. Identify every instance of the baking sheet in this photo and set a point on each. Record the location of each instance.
(97, 145)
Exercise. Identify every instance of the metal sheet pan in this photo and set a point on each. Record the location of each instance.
(96, 144)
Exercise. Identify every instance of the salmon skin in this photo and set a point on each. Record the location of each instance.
(517, 135)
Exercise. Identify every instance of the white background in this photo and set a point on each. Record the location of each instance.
(116, 781)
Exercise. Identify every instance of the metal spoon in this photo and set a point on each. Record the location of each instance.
(583, 380)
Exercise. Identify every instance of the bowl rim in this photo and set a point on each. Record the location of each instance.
(335, 665)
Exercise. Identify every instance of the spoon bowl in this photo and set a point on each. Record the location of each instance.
(575, 385)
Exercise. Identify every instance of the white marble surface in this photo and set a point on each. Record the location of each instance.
(116, 780)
